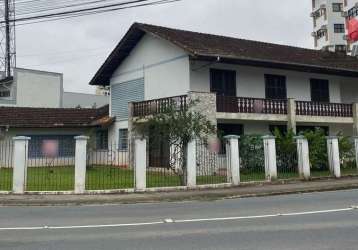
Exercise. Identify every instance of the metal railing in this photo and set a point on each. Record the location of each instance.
(158, 106)
(6, 164)
(250, 105)
(324, 109)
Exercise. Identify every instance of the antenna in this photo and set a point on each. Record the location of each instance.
(7, 39)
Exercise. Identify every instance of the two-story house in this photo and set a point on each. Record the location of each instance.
(244, 86)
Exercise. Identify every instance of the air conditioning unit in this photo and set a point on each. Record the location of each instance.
(354, 50)
(344, 14)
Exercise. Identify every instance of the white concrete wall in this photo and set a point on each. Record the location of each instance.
(38, 89)
(251, 81)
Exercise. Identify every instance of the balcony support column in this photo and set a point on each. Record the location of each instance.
(291, 115)
(355, 119)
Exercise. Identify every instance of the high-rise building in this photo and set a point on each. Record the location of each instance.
(329, 25)
(351, 15)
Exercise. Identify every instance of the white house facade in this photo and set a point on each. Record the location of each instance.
(244, 86)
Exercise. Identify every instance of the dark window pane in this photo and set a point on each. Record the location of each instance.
(102, 139)
(319, 90)
(223, 82)
(275, 87)
(123, 139)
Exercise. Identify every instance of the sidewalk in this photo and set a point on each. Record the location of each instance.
(251, 190)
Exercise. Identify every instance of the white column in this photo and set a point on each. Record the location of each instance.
(191, 164)
(291, 114)
(356, 149)
(333, 156)
(20, 164)
(270, 157)
(80, 164)
(303, 157)
(233, 158)
(140, 163)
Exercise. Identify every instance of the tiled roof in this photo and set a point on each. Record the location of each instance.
(16, 117)
(202, 46)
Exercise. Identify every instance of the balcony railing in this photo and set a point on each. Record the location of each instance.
(158, 106)
(324, 109)
(251, 105)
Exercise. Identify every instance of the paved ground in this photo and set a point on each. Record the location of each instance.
(300, 221)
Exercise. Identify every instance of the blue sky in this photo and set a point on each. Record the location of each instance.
(77, 47)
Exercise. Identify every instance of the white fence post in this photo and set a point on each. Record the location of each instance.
(233, 158)
(191, 164)
(270, 157)
(303, 157)
(80, 164)
(140, 162)
(20, 164)
(333, 156)
(356, 149)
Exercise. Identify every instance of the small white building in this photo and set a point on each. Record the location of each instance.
(42, 89)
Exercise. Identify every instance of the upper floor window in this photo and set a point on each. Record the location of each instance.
(102, 139)
(4, 93)
(275, 87)
(339, 28)
(337, 7)
(321, 33)
(319, 90)
(223, 82)
(353, 12)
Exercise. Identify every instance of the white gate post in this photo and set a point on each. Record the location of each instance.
(303, 157)
(233, 158)
(20, 164)
(356, 149)
(333, 156)
(140, 163)
(191, 164)
(270, 157)
(80, 164)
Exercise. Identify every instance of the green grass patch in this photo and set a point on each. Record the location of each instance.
(5, 179)
(320, 173)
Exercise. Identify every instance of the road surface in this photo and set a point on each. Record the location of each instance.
(303, 221)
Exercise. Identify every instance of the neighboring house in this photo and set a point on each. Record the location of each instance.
(245, 86)
(41, 89)
(351, 14)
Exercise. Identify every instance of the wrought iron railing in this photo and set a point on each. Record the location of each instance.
(158, 106)
(324, 109)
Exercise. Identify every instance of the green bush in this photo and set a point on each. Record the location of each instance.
(286, 150)
(252, 153)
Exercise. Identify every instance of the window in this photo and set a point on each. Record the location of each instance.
(4, 93)
(223, 82)
(319, 90)
(321, 33)
(275, 87)
(228, 129)
(303, 129)
(123, 139)
(339, 28)
(281, 128)
(337, 7)
(341, 48)
(50, 146)
(102, 140)
(353, 12)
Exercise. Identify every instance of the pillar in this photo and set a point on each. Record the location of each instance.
(355, 119)
(303, 157)
(191, 164)
(291, 113)
(20, 164)
(233, 158)
(356, 150)
(80, 164)
(333, 156)
(270, 157)
(140, 163)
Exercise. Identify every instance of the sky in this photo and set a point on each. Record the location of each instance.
(78, 47)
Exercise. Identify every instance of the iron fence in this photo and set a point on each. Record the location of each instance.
(211, 167)
(252, 159)
(348, 159)
(319, 160)
(109, 167)
(51, 164)
(6, 164)
(287, 160)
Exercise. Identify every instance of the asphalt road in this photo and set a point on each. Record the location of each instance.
(305, 221)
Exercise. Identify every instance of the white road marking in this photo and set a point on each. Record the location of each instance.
(170, 220)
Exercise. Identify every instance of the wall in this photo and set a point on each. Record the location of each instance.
(73, 100)
(251, 82)
(38, 88)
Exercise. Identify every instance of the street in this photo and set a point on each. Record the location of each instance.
(302, 221)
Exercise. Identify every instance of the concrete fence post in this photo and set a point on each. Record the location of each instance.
(356, 149)
(303, 157)
(270, 157)
(333, 156)
(191, 164)
(80, 164)
(140, 163)
(355, 119)
(233, 158)
(20, 164)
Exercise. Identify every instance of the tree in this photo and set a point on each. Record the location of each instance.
(178, 126)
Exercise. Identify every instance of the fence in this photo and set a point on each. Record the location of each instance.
(287, 160)
(252, 159)
(211, 166)
(109, 168)
(51, 164)
(348, 158)
(324, 109)
(6, 165)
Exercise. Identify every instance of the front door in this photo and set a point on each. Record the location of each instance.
(223, 82)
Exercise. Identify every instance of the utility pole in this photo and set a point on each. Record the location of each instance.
(7, 40)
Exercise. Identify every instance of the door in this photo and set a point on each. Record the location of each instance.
(223, 82)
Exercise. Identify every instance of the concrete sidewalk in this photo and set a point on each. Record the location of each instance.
(247, 190)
